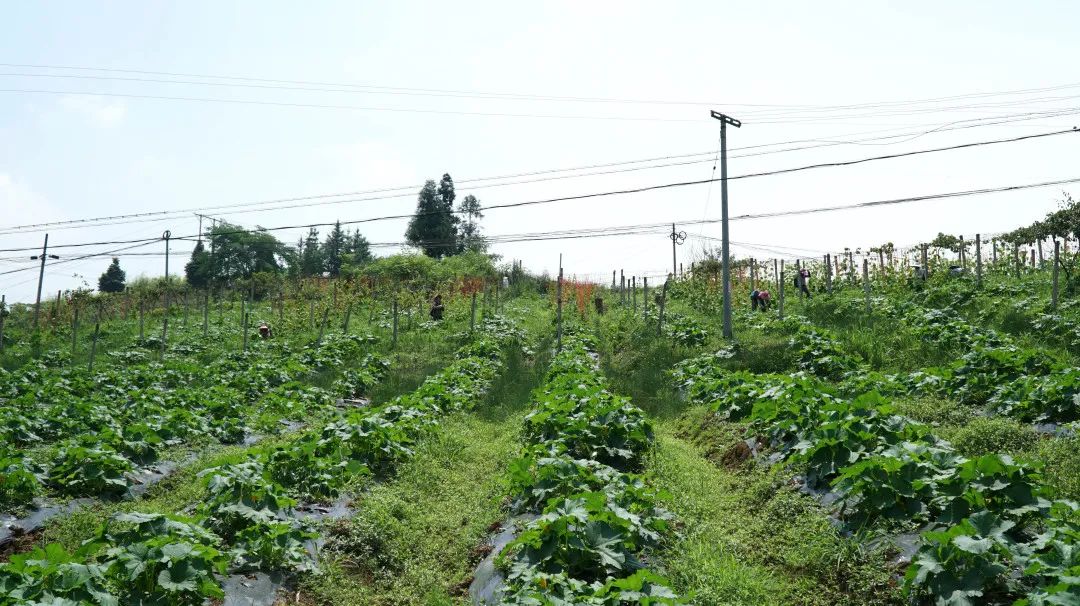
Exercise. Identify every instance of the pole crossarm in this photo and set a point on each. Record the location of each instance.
(726, 119)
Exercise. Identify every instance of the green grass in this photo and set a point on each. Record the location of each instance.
(748, 538)
(414, 540)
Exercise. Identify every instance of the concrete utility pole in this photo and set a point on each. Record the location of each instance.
(165, 323)
(676, 238)
(41, 277)
(724, 122)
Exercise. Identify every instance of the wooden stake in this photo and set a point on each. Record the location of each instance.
(1016, 254)
(74, 330)
(142, 311)
(1057, 260)
(472, 314)
(322, 325)
(206, 312)
(558, 309)
(645, 296)
(393, 342)
(663, 300)
(3, 314)
(776, 272)
(782, 280)
(978, 260)
(348, 316)
(828, 274)
(93, 344)
(866, 287)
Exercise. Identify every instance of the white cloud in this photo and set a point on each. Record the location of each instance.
(101, 111)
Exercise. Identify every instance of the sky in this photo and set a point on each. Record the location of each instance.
(397, 93)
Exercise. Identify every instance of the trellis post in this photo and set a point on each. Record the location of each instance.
(978, 260)
(1057, 259)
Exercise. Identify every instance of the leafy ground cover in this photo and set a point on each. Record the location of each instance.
(245, 519)
(980, 517)
(598, 519)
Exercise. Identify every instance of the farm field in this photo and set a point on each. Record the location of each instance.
(914, 442)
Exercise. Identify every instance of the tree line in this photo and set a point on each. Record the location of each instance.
(229, 253)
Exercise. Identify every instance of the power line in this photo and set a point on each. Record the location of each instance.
(642, 229)
(874, 104)
(406, 110)
(72, 260)
(957, 194)
(625, 191)
(408, 191)
(792, 113)
(432, 91)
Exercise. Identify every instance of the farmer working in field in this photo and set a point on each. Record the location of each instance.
(760, 299)
(265, 331)
(437, 308)
(802, 282)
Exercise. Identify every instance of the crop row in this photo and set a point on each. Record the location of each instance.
(595, 520)
(106, 424)
(996, 372)
(247, 519)
(992, 532)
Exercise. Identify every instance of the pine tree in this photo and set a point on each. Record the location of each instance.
(113, 280)
(333, 249)
(434, 227)
(198, 270)
(359, 249)
(469, 237)
(310, 254)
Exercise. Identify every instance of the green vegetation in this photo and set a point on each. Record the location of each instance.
(917, 446)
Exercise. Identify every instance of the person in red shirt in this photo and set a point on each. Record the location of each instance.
(760, 299)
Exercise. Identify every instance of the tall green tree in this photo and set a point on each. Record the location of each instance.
(238, 253)
(446, 191)
(359, 249)
(310, 254)
(333, 250)
(198, 270)
(434, 226)
(469, 236)
(114, 278)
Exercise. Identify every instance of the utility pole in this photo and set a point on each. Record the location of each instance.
(724, 122)
(165, 324)
(41, 277)
(676, 238)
